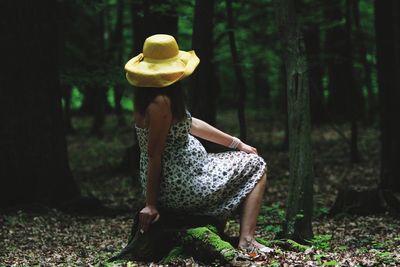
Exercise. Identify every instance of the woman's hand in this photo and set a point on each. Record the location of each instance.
(147, 216)
(246, 148)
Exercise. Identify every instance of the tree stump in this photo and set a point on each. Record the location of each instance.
(201, 237)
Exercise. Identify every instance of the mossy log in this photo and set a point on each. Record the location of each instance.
(201, 237)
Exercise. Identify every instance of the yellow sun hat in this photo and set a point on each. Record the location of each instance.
(161, 63)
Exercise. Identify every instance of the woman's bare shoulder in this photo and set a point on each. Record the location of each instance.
(160, 107)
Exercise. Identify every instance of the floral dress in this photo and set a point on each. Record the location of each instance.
(196, 182)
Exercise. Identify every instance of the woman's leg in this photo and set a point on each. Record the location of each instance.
(250, 210)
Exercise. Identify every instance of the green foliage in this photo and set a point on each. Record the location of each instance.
(274, 212)
(76, 98)
(321, 242)
(272, 228)
(385, 256)
(271, 218)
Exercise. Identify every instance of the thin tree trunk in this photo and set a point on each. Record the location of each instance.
(66, 93)
(117, 47)
(99, 90)
(361, 45)
(354, 87)
(336, 51)
(202, 80)
(238, 72)
(299, 210)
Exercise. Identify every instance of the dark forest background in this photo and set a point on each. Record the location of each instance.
(312, 84)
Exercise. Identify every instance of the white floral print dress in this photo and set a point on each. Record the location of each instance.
(196, 182)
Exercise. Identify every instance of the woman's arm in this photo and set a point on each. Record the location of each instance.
(206, 131)
(159, 121)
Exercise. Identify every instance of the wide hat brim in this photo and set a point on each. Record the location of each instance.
(148, 72)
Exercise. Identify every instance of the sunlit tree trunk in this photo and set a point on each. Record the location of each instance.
(299, 208)
(33, 153)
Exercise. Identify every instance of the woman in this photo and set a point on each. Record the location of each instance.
(176, 172)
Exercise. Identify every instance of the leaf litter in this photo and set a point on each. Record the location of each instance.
(54, 238)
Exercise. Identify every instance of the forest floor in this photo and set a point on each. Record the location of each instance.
(54, 238)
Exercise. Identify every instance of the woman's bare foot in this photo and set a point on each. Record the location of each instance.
(253, 246)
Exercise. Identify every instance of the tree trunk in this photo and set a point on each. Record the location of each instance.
(33, 153)
(362, 50)
(299, 209)
(98, 88)
(336, 51)
(387, 21)
(354, 90)
(238, 72)
(315, 73)
(118, 47)
(202, 42)
(66, 94)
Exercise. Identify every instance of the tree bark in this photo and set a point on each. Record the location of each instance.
(118, 47)
(362, 50)
(313, 48)
(336, 51)
(355, 98)
(297, 225)
(203, 79)
(99, 89)
(66, 94)
(33, 153)
(241, 85)
(387, 21)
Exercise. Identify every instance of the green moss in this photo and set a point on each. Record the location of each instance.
(212, 228)
(176, 252)
(207, 236)
(296, 246)
(264, 242)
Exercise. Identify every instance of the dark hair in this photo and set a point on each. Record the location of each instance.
(143, 96)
